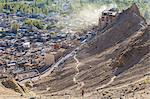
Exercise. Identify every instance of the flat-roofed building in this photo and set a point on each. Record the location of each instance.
(24, 75)
(108, 16)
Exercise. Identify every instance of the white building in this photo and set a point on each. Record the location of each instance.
(26, 45)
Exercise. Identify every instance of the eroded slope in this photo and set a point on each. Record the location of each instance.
(119, 55)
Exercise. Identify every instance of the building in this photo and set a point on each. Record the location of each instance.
(26, 74)
(26, 45)
(11, 64)
(49, 59)
(108, 16)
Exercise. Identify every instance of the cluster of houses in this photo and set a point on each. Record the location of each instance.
(33, 49)
(27, 53)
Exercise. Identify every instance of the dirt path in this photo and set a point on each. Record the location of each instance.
(112, 79)
(77, 69)
(119, 87)
(125, 85)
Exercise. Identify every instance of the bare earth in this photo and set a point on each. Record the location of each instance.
(114, 65)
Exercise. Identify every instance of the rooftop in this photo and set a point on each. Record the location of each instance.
(111, 12)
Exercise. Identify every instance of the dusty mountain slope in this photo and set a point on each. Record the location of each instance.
(6, 93)
(118, 56)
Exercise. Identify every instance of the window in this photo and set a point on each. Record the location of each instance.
(103, 18)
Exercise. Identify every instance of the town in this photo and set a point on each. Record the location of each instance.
(26, 51)
(66, 49)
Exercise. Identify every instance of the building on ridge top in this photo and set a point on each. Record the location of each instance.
(108, 16)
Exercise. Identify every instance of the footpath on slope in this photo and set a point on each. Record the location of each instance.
(74, 78)
(105, 85)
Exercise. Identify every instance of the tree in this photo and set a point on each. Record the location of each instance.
(47, 2)
(35, 23)
(14, 27)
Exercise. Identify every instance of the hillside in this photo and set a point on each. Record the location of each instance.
(112, 65)
(7, 93)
